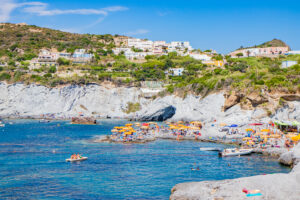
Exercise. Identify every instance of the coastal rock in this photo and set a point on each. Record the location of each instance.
(158, 113)
(83, 120)
(291, 97)
(256, 99)
(286, 158)
(272, 186)
(108, 101)
(231, 100)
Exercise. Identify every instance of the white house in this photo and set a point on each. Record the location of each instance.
(293, 53)
(180, 45)
(3, 64)
(288, 63)
(159, 43)
(80, 56)
(199, 56)
(140, 44)
(175, 71)
(117, 51)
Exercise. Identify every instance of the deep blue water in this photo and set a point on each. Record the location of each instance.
(32, 164)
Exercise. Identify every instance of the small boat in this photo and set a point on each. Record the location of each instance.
(44, 121)
(235, 152)
(1, 124)
(78, 159)
(210, 149)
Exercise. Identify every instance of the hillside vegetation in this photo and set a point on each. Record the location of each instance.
(272, 43)
(21, 43)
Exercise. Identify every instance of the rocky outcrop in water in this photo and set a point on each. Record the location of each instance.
(83, 120)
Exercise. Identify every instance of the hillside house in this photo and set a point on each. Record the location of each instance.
(253, 52)
(145, 45)
(288, 63)
(175, 71)
(3, 64)
(199, 56)
(293, 53)
(217, 63)
(174, 46)
(81, 57)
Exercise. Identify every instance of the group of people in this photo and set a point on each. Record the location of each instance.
(74, 156)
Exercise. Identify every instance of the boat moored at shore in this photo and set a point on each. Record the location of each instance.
(235, 152)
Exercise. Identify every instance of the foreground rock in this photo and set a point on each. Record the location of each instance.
(272, 186)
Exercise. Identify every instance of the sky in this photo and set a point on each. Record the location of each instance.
(222, 25)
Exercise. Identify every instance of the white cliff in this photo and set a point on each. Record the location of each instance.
(100, 101)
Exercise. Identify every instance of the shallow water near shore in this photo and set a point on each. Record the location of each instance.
(32, 163)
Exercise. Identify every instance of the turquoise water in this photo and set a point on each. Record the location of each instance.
(32, 164)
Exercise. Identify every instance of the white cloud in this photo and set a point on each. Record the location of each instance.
(41, 9)
(137, 32)
(7, 6)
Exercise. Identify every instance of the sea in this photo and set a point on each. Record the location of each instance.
(33, 166)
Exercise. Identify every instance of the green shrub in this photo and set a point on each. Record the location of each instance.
(63, 61)
(52, 69)
(5, 76)
(132, 107)
(48, 75)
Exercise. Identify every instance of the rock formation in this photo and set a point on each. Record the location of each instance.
(107, 101)
(272, 186)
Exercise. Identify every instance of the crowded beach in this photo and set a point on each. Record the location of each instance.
(274, 135)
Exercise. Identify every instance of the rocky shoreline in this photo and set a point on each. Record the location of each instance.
(272, 186)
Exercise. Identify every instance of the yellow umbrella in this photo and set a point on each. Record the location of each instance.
(223, 124)
(265, 130)
(296, 138)
(114, 130)
(249, 129)
(194, 128)
(128, 124)
(247, 138)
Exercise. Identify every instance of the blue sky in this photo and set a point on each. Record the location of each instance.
(215, 24)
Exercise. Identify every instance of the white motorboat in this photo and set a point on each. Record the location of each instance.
(78, 159)
(235, 152)
(210, 149)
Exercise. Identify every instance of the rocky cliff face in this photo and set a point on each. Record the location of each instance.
(19, 100)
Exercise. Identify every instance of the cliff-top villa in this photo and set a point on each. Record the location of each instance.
(266, 52)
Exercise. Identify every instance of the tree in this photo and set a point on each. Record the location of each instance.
(168, 64)
(52, 69)
(239, 54)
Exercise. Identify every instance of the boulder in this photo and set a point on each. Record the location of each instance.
(291, 97)
(83, 120)
(286, 158)
(231, 100)
(159, 113)
(256, 99)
